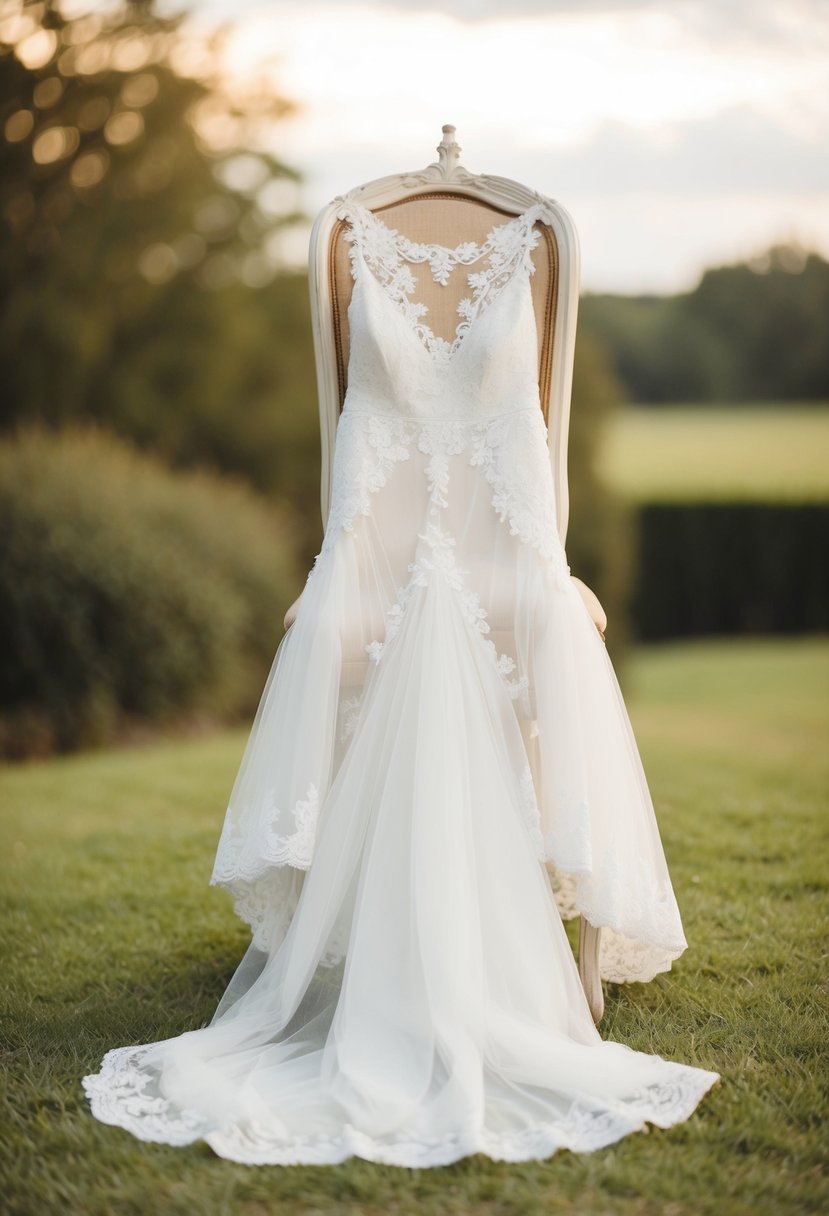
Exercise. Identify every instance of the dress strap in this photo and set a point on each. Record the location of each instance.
(387, 250)
(386, 253)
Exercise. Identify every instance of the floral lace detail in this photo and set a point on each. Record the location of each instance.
(265, 901)
(297, 849)
(437, 556)
(385, 252)
(372, 445)
(511, 451)
(267, 908)
(440, 440)
(247, 867)
(122, 1094)
(125, 1094)
(272, 849)
(622, 959)
(627, 960)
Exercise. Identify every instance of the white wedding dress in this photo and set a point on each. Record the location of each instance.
(405, 833)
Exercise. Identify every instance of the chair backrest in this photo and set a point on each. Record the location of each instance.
(447, 204)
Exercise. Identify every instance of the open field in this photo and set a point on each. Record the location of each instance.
(111, 935)
(770, 453)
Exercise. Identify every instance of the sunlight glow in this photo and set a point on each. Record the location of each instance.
(676, 133)
(550, 79)
(649, 122)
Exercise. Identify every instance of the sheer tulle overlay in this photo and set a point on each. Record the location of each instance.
(441, 767)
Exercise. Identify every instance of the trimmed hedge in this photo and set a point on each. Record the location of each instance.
(129, 592)
(723, 568)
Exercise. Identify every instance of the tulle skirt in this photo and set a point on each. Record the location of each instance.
(440, 768)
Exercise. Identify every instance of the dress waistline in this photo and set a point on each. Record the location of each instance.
(477, 419)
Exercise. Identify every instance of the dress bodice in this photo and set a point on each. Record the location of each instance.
(398, 365)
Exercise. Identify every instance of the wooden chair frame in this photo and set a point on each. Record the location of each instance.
(447, 176)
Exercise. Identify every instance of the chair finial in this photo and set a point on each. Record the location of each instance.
(449, 151)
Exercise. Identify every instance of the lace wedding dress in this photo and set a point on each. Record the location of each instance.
(404, 834)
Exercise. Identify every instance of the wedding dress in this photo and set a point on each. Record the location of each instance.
(441, 766)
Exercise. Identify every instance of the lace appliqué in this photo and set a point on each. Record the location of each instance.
(437, 557)
(440, 440)
(263, 870)
(267, 904)
(623, 959)
(511, 451)
(125, 1094)
(385, 252)
(248, 860)
(294, 848)
(513, 456)
(370, 447)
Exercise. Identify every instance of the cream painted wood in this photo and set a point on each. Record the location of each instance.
(415, 203)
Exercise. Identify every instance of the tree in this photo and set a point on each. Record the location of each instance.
(141, 281)
(754, 331)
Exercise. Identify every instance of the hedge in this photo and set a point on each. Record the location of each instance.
(129, 592)
(726, 568)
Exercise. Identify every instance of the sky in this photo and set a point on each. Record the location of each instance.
(679, 134)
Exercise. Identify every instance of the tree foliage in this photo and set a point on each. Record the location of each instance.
(754, 331)
(142, 247)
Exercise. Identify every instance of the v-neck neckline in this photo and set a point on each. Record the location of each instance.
(438, 349)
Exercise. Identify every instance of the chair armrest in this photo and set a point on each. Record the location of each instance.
(290, 615)
(593, 605)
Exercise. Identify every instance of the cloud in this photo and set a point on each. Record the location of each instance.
(784, 24)
(698, 128)
(735, 151)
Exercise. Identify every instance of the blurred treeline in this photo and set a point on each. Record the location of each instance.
(749, 334)
(755, 331)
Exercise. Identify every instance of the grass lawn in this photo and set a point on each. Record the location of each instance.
(775, 452)
(112, 936)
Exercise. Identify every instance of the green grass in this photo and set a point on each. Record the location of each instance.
(112, 936)
(768, 453)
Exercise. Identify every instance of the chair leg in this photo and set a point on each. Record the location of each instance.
(589, 940)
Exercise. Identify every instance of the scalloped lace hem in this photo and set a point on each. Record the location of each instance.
(117, 1096)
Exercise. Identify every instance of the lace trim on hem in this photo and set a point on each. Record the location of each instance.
(628, 953)
(117, 1096)
(273, 849)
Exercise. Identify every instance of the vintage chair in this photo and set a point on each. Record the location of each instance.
(446, 203)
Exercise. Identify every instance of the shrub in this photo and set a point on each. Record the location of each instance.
(600, 535)
(128, 591)
(731, 567)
